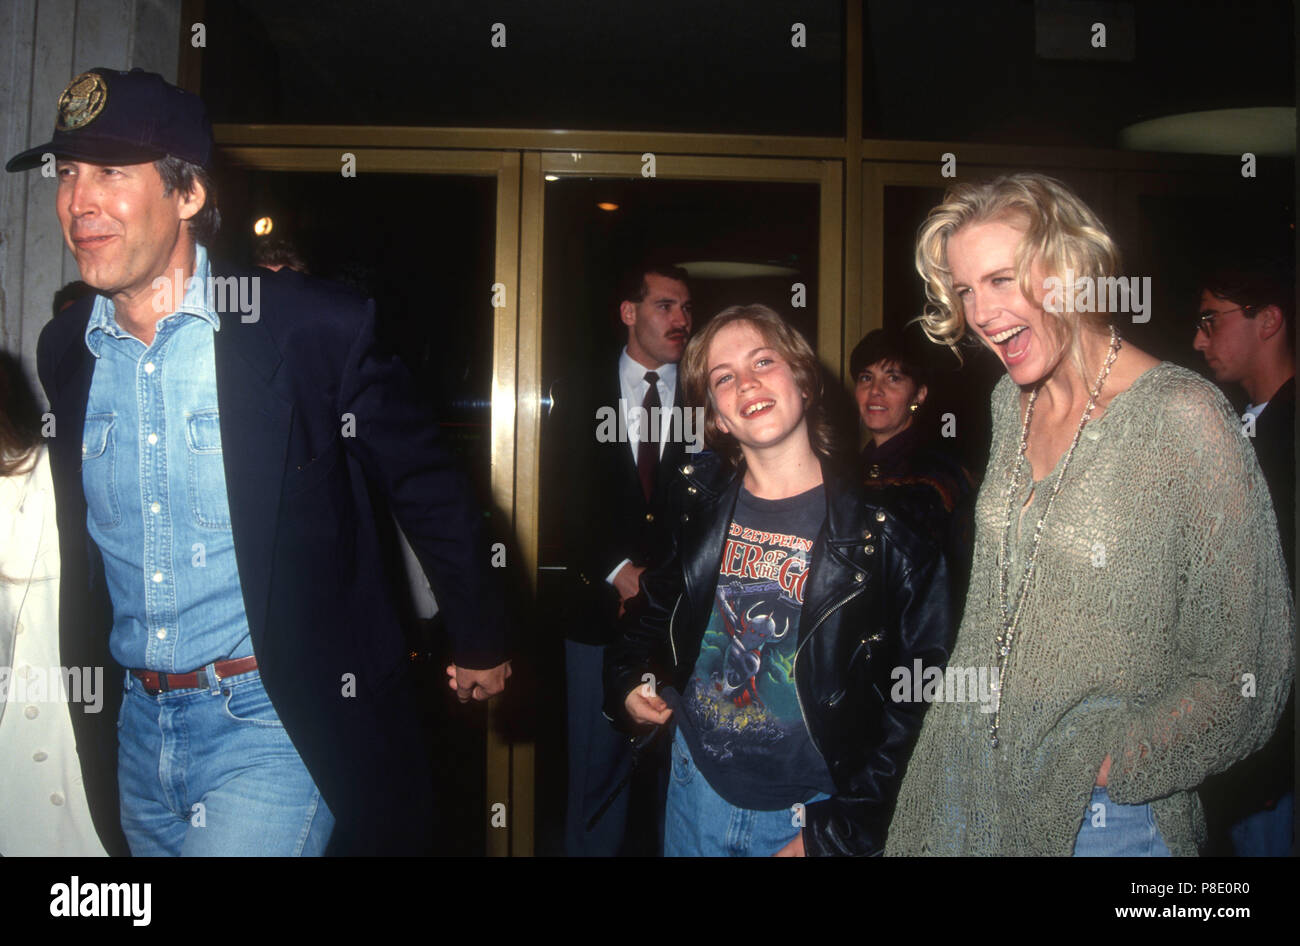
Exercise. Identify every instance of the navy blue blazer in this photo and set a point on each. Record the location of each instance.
(327, 638)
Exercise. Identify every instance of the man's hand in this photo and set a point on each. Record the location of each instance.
(646, 706)
(628, 584)
(793, 849)
(477, 684)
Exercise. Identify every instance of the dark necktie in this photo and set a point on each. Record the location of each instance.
(647, 451)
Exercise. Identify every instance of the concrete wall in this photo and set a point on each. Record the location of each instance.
(43, 44)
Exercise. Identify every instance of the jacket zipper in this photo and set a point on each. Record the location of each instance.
(794, 666)
(671, 642)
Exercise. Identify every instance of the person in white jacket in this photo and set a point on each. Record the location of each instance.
(43, 809)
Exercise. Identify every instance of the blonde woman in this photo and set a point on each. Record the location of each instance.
(1127, 595)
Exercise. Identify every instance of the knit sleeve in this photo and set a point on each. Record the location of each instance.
(1230, 649)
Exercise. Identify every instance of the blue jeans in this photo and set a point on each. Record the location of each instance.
(599, 756)
(1126, 831)
(1265, 833)
(701, 823)
(212, 772)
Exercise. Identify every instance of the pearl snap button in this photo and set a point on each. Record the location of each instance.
(153, 438)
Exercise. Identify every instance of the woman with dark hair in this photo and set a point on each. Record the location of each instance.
(43, 810)
(902, 458)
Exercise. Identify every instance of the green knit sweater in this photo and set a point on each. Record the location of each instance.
(1157, 629)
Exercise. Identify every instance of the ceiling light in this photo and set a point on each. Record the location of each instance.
(1260, 131)
(606, 205)
(263, 226)
(730, 269)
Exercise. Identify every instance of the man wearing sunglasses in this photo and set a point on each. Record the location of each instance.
(1245, 330)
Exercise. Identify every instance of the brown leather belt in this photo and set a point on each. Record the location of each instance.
(155, 683)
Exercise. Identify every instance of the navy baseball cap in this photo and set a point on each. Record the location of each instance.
(111, 117)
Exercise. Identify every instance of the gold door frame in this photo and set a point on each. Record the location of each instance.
(504, 167)
(827, 174)
(517, 331)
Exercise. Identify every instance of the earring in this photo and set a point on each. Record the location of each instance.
(913, 407)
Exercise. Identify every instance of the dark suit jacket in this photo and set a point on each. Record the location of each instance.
(607, 518)
(1275, 448)
(305, 543)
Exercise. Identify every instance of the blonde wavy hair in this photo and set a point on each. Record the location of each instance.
(794, 351)
(1060, 232)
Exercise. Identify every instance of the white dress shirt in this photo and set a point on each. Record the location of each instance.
(633, 387)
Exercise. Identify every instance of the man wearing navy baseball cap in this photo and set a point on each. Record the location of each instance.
(217, 430)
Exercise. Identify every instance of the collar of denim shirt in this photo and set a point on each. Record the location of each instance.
(103, 318)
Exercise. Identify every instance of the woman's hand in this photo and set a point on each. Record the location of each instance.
(1103, 774)
(644, 705)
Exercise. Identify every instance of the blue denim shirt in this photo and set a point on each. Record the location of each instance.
(156, 489)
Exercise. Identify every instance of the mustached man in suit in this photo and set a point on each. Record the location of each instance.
(618, 468)
(216, 432)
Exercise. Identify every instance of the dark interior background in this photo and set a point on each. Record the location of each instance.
(1025, 71)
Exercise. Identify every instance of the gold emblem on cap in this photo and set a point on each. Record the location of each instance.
(82, 101)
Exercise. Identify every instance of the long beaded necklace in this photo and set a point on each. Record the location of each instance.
(1011, 619)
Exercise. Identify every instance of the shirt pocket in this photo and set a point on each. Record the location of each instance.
(99, 470)
(209, 505)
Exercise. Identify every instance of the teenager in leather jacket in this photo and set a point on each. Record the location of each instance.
(875, 598)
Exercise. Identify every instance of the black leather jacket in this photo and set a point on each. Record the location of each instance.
(876, 598)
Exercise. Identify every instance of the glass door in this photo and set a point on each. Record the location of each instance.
(432, 237)
(747, 230)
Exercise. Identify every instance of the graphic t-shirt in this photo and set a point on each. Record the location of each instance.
(740, 713)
